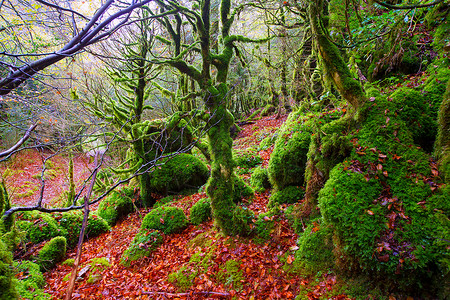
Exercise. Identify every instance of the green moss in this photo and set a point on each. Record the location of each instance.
(98, 267)
(241, 190)
(231, 275)
(72, 221)
(183, 279)
(52, 253)
(163, 201)
(32, 281)
(38, 226)
(315, 249)
(287, 163)
(268, 141)
(68, 262)
(246, 159)
(7, 283)
(265, 225)
(142, 245)
(167, 219)
(117, 205)
(260, 179)
(414, 109)
(200, 211)
(241, 220)
(288, 195)
(177, 173)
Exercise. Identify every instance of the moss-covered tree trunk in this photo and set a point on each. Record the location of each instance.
(220, 184)
(442, 148)
(330, 56)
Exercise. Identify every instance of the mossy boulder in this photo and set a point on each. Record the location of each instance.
(315, 249)
(167, 219)
(178, 173)
(260, 179)
(39, 226)
(288, 195)
(31, 282)
(201, 211)
(52, 253)
(72, 221)
(287, 163)
(116, 205)
(142, 245)
(378, 203)
(246, 160)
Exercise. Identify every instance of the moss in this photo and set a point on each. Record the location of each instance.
(167, 219)
(72, 221)
(265, 225)
(246, 159)
(117, 205)
(31, 281)
(268, 141)
(7, 284)
(68, 262)
(241, 220)
(142, 245)
(38, 226)
(98, 267)
(413, 108)
(315, 249)
(288, 195)
(163, 201)
(241, 190)
(288, 160)
(52, 253)
(177, 173)
(231, 275)
(260, 179)
(183, 279)
(200, 211)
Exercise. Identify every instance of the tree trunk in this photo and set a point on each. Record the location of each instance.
(332, 60)
(442, 145)
(220, 183)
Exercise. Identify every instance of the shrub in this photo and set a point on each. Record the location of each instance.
(289, 195)
(260, 179)
(117, 205)
(52, 252)
(38, 226)
(167, 219)
(200, 211)
(179, 172)
(144, 243)
(72, 221)
(30, 286)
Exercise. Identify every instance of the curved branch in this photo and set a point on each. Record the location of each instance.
(20, 142)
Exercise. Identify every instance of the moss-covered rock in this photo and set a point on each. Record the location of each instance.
(167, 219)
(117, 205)
(231, 274)
(246, 160)
(183, 279)
(72, 221)
(287, 163)
(288, 195)
(31, 281)
(39, 226)
(142, 245)
(52, 253)
(179, 172)
(241, 220)
(200, 211)
(260, 179)
(315, 249)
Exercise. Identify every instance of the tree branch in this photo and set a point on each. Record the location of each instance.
(390, 6)
(20, 142)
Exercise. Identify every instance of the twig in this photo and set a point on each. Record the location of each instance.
(20, 142)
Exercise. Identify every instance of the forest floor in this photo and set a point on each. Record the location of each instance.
(263, 268)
